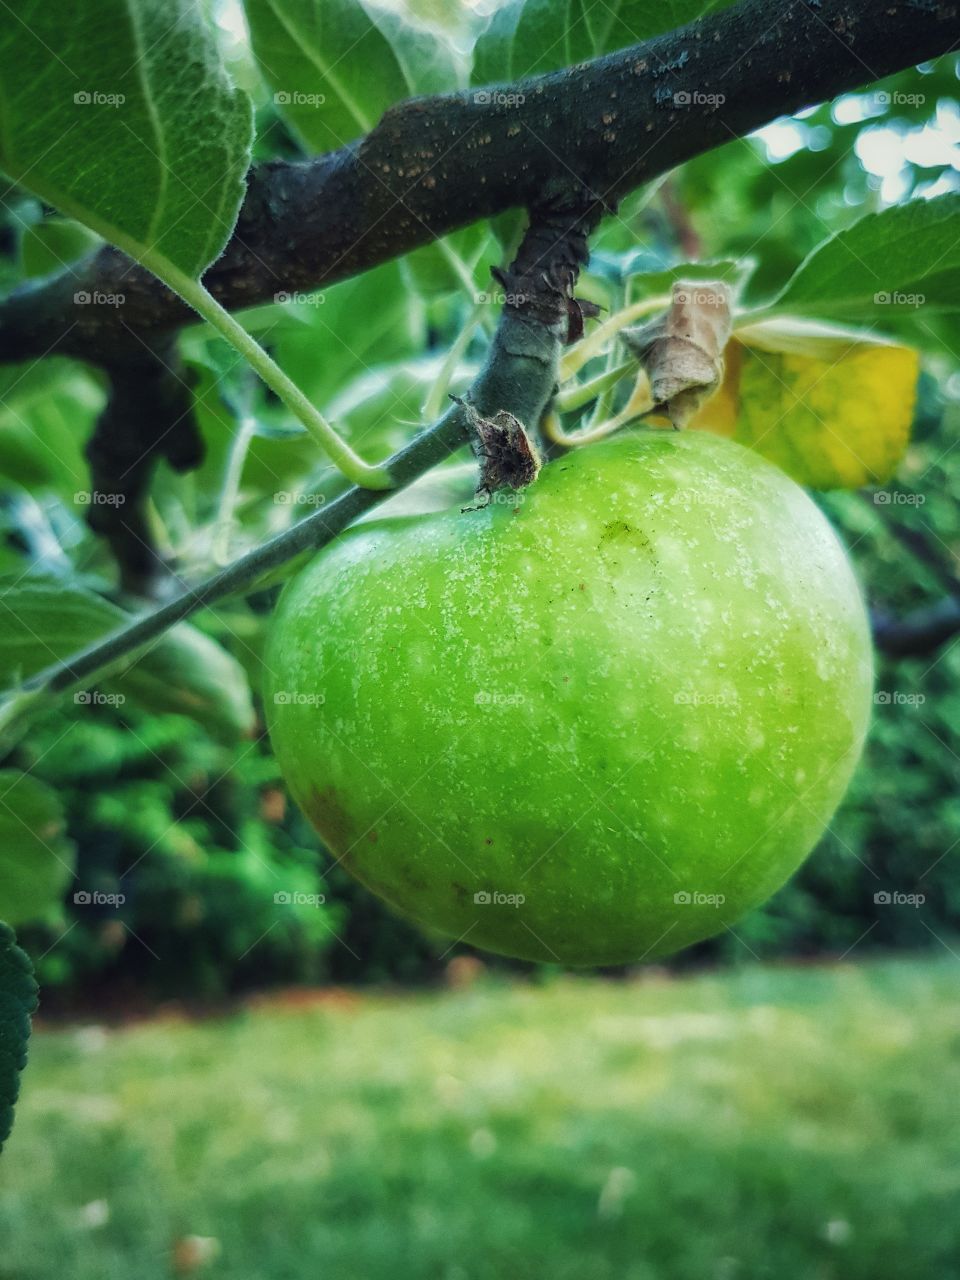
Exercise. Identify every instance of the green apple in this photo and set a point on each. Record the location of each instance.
(591, 723)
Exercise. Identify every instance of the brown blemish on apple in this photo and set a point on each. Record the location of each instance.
(406, 886)
(327, 814)
(621, 534)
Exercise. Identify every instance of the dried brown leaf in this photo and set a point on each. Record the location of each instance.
(682, 350)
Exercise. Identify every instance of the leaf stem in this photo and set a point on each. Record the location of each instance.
(577, 356)
(350, 463)
(639, 404)
(223, 524)
(581, 393)
(460, 268)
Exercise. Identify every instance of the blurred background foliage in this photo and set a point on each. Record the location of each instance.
(192, 826)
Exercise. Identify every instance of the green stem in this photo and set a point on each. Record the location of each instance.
(639, 404)
(223, 525)
(208, 308)
(578, 355)
(478, 314)
(581, 393)
(350, 463)
(603, 405)
(438, 392)
(459, 267)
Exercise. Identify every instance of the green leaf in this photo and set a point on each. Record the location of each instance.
(53, 244)
(530, 37)
(119, 114)
(527, 37)
(47, 411)
(732, 271)
(45, 621)
(36, 858)
(900, 263)
(160, 174)
(18, 999)
(620, 23)
(336, 66)
(423, 54)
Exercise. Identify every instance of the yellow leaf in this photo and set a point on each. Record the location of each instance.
(832, 407)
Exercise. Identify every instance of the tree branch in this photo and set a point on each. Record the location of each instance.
(926, 628)
(920, 632)
(594, 131)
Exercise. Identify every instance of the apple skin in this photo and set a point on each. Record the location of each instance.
(631, 696)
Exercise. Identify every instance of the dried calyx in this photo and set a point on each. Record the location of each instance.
(508, 457)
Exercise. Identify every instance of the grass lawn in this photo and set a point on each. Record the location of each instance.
(797, 1124)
